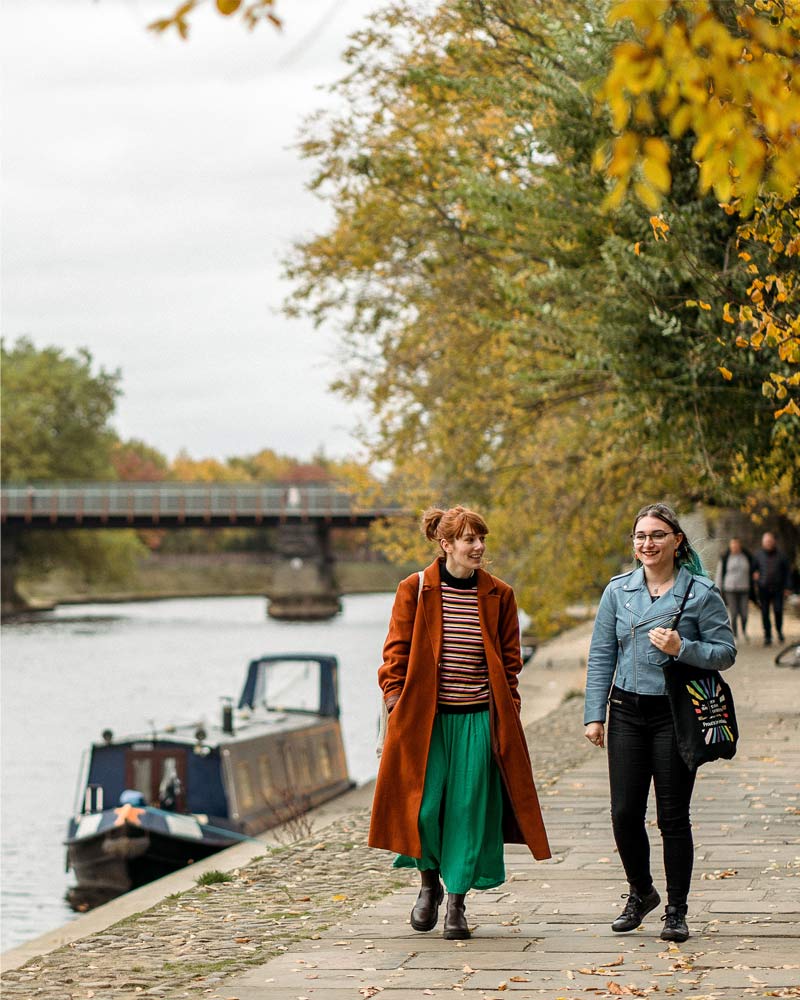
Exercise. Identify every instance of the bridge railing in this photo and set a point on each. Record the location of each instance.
(176, 501)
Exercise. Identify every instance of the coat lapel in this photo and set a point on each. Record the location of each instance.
(488, 608)
(431, 599)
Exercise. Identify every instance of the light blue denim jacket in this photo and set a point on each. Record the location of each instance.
(620, 652)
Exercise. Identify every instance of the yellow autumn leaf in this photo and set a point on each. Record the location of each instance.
(704, 305)
(726, 373)
(647, 195)
(623, 155)
(726, 313)
(790, 408)
(659, 226)
(657, 173)
(656, 149)
(228, 7)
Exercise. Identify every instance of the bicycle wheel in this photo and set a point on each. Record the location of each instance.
(790, 656)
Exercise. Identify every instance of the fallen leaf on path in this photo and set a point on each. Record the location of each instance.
(370, 991)
(619, 960)
(518, 979)
(720, 873)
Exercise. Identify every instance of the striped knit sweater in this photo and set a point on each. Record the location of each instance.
(463, 673)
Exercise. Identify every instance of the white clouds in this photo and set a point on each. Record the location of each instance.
(149, 193)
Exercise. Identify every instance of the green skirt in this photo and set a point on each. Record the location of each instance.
(461, 816)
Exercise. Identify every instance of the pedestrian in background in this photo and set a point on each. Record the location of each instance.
(455, 778)
(773, 579)
(633, 644)
(735, 581)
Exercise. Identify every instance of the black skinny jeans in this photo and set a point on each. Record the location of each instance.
(641, 749)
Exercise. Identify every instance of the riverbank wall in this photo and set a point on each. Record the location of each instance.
(167, 576)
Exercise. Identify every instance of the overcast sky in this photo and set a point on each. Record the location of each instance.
(149, 193)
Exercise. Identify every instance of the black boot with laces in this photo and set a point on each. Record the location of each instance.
(636, 909)
(675, 928)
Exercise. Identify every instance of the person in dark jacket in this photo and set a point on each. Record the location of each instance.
(773, 578)
(633, 644)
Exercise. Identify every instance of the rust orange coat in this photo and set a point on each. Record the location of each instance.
(411, 656)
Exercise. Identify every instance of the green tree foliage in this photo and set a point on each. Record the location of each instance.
(56, 412)
(522, 348)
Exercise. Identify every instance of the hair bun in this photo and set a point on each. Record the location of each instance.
(431, 519)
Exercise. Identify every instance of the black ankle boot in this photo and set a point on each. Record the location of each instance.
(636, 909)
(675, 927)
(455, 919)
(425, 914)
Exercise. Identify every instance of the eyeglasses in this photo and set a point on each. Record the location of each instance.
(657, 536)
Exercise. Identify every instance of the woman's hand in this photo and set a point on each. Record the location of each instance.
(665, 639)
(595, 733)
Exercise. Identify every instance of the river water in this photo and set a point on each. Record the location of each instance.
(73, 672)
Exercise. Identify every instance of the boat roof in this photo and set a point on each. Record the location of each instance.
(252, 719)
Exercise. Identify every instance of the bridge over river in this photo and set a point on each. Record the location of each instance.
(303, 582)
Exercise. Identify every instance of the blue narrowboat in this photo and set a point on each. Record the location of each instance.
(150, 804)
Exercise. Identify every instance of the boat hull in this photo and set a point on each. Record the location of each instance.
(120, 849)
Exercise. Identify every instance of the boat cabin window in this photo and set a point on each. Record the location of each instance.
(325, 761)
(244, 786)
(160, 775)
(291, 686)
(265, 778)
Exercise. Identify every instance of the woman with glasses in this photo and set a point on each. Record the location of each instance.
(455, 779)
(632, 645)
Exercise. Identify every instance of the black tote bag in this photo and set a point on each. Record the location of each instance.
(702, 710)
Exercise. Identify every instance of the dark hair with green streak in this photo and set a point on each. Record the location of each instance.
(686, 555)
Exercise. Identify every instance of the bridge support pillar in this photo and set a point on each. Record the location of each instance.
(303, 587)
(10, 597)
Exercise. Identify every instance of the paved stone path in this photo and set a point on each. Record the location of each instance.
(327, 919)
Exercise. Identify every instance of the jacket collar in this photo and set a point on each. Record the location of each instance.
(637, 598)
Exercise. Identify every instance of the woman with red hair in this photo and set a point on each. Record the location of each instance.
(455, 779)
